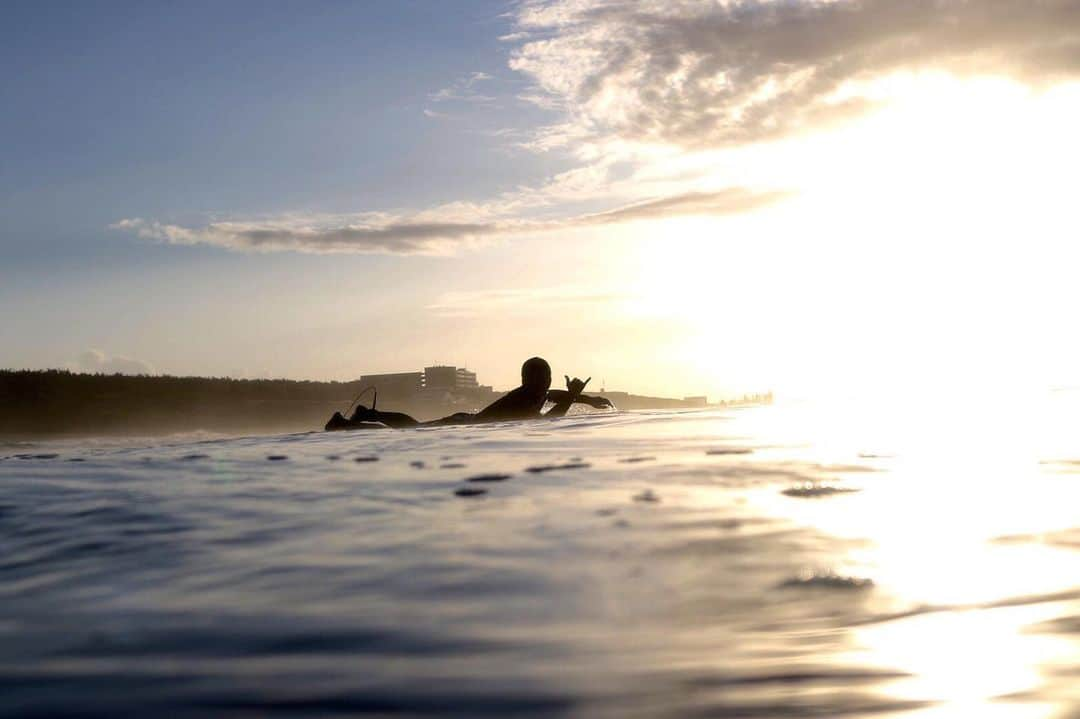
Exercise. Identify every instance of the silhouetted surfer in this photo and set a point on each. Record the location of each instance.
(525, 402)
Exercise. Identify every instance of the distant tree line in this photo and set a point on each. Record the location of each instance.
(35, 403)
(52, 402)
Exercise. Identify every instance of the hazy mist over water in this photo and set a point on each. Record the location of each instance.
(778, 561)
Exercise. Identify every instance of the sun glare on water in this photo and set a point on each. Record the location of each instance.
(955, 525)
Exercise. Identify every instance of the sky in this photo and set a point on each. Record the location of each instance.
(673, 197)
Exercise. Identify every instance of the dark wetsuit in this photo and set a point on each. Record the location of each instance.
(522, 403)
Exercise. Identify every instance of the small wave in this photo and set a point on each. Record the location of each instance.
(807, 675)
(1068, 538)
(489, 478)
(813, 490)
(469, 491)
(840, 468)
(1018, 601)
(541, 468)
(1061, 625)
(826, 580)
(1062, 466)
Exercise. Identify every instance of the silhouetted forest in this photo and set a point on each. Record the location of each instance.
(52, 402)
(57, 402)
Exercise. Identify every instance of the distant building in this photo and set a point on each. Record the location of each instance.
(447, 378)
(696, 401)
(466, 379)
(394, 385)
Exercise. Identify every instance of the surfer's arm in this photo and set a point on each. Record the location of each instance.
(566, 398)
(559, 395)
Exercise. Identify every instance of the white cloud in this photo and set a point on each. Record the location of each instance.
(96, 361)
(433, 232)
(709, 74)
(652, 99)
(725, 202)
(404, 237)
(464, 90)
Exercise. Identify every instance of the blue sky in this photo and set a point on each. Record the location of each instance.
(183, 112)
(177, 110)
(673, 197)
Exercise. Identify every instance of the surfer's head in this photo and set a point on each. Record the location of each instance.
(536, 374)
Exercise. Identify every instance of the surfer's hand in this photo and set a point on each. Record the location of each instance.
(575, 386)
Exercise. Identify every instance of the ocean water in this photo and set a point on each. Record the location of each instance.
(760, 562)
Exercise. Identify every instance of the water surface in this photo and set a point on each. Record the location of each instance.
(762, 562)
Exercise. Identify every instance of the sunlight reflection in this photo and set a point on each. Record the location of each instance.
(972, 663)
(950, 529)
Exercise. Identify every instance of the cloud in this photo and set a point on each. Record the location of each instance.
(654, 100)
(725, 202)
(401, 237)
(96, 361)
(726, 72)
(464, 90)
(428, 233)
